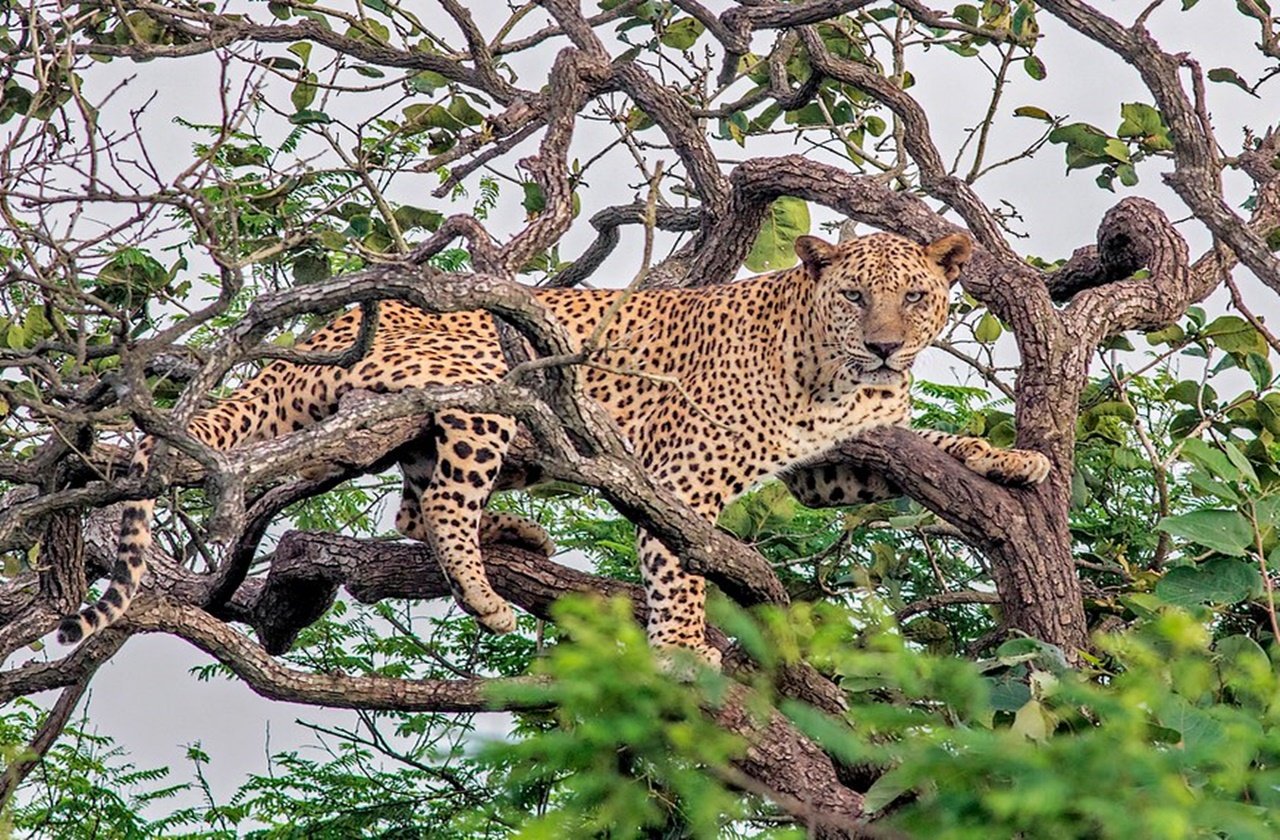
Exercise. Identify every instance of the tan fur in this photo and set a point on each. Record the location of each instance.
(776, 367)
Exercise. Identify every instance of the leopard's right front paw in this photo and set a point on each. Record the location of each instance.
(490, 610)
(1011, 467)
(499, 622)
(681, 662)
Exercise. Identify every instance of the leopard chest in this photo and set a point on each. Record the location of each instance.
(820, 424)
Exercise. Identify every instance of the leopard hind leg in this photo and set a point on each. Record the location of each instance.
(443, 505)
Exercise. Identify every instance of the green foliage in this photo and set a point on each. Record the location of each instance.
(630, 746)
(1141, 134)
(1171, 736)
(85, 787)
(774, 248)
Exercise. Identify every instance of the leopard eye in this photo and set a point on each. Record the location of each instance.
(913, 297)
(852, 295)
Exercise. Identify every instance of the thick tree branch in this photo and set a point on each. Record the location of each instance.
(918, 141)
(1015, 529)
(576, 76)
(1197, 176)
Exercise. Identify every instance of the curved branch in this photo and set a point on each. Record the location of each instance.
(1022, 532)
(221, 30)
(918, 141)
(606, 222)
(268, 678)
(575, 76)
(1197, 176)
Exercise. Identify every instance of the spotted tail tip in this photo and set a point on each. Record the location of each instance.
(71, 630)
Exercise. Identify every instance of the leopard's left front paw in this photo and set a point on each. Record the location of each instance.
(1012, 467)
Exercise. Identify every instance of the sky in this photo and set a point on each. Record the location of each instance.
(147, 699)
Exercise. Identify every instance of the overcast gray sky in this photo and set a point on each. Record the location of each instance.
(147, 700)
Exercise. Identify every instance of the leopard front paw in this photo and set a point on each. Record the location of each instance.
(490, 610)
(1011, 467)
(681, 662)
(500, 621)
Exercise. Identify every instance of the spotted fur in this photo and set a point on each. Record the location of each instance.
(771, 370)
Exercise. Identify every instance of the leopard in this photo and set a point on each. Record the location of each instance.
(715, 388)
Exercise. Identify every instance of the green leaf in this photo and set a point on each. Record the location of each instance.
(1201, 733)
(1230, 77)
(682, 34)
(1235, 335)
(1220, 581)
(638, 120)
(1112, 408)
(1202, 481)
(534, 201)
(1237, 649)
(310, 268)
(304, 92)
(1009, 695)
(1032, 112)
(302, 50)
(370, 32)
(1269, 412)
(966, 13)
(988, 329)
(1035, 67)
(1019, 649)
(1087, 145)
(309, 117)
(408, 217)
(1139, 119)
(427, 81)
(277, 63)
(1224, 531)
(1117, 342)
(1189, 392)
(424, 117)
(1146, 124)
(1168, 335)
(774, 248)
(1117, 150)
(462, 111)
(1212, 459)
(885, 790)
(1032, 721)
(1240, 462)
(1024, 26)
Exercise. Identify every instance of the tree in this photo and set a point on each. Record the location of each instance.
(136, 285)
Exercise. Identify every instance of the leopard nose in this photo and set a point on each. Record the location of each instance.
(884, 349)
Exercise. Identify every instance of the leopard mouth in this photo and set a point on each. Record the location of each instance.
(879, 366)
(882, 375)
(868, 367)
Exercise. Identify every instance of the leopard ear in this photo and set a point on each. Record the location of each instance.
(814, 253)
(951, 252)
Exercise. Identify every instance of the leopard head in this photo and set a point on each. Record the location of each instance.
(881, 299)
